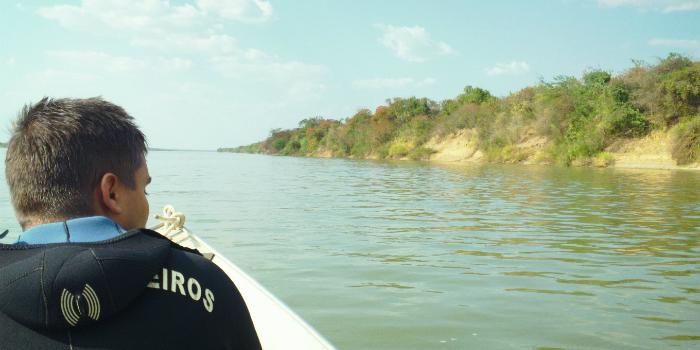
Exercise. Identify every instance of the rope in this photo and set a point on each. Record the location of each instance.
(172, 226)
(171, 222)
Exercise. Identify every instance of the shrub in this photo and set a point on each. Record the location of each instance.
(398, 150)
(674, 61)
(474, 95)
(404, 109)
(360, 149)
(292, 147)
(383, 151)
(522, 102)
(620, 92)
(580, 144)
(470, 95)
(680, 93)
(421, 153)
(279, 144)
(419, 130)
(596, 77)
(685, 142)
(603, 159)
(507, 154)
(628, 122)
(463, 117)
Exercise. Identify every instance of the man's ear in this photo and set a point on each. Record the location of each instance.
(109, 194)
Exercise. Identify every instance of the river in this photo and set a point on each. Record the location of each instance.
(403, 255)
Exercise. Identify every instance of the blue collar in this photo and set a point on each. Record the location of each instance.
(80, 230)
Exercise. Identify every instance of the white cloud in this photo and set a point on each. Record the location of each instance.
(9, 61)
(190, 28)
(686, 6)
(617, 3)
(174, 64)
(98, 60)
(391, 83)
(193, 29)
(206, 44)
(49, 76)
(665, 6)
(305, 90)
(153, 15)
(293, 82)
(412, 44)
(125, 15)
(175, 36)
(680, 43)
(512, 68)
(257, 66)
(242, 10)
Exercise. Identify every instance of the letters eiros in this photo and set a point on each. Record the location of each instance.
(179, 284)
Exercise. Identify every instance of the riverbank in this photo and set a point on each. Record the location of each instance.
(646, 117)
(650, 152)
(653, 151)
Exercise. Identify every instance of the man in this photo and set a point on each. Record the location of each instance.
(85, 274)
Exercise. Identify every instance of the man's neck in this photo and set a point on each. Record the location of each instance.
(29, 223)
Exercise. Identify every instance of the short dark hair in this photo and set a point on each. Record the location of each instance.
(60, 149)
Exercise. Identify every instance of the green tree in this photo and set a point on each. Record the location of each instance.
(474, 95)
(680, 93)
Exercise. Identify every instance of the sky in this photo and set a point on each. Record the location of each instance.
(203, 74)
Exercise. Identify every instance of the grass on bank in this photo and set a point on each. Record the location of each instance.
(685, 142)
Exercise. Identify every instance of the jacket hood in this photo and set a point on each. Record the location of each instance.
(57, 286)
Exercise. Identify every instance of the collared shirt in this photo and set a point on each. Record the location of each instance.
(80, 230)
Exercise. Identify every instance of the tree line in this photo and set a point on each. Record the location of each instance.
(579, 117)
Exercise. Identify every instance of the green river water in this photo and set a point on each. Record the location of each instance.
(401, 255)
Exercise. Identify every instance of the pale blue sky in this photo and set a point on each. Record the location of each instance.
(202, 74)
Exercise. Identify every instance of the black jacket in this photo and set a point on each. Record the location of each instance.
(136, 291)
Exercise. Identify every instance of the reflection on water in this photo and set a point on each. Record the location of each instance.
(399, 255)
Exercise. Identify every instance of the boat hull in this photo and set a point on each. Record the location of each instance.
(278, 327)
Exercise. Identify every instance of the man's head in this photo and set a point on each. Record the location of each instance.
(70, 158)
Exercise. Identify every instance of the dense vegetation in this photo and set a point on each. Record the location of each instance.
(579, 118)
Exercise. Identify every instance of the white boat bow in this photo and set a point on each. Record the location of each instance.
(278, 327)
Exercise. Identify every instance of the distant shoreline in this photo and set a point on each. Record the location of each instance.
(650, 152)
(645, 117)
(179, 150)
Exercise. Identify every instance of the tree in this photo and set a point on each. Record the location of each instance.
(596, 77)
(404, 109)
(680, 93)
(474, 95)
